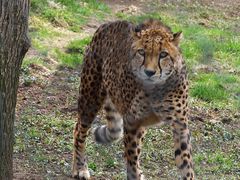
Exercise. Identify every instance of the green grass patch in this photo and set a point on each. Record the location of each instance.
(216, 162)
(70, 60)
(206, 49)
(43, 140)
(41, 28)
(69, 13)
(229, 44)
(78, 45)
(209, 92)
(40, 47)
(44, 130)
(214, 87)
(73, 56)
(34, 60)
(228, 50)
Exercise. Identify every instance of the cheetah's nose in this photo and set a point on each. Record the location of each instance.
(149, 73)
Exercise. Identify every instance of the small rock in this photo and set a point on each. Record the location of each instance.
(226, 120)
(198, 118)
(237, 116)
(130, 10)
(216, 109)
(214, 121)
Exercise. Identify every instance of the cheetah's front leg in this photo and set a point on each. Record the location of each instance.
(132, 142)
(79, 167)
(183, 149)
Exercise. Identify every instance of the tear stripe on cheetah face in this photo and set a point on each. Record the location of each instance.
(166, 69)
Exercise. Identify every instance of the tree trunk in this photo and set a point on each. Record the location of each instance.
(14, 43)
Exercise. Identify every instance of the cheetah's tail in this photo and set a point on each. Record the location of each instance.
(113, 130)
(104, 135)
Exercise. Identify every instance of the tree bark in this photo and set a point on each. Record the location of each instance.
(14, 43)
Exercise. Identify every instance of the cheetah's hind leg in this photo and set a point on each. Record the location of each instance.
(87, 111)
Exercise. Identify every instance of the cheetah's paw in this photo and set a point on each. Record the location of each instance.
(82, 175)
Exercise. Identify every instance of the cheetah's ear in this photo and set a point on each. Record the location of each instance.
(177, 37)
(136, 31)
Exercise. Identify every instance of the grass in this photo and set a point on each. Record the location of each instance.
(217, 162)
(39, 135)
(73, 56)
(71, 14)
(56, 19)
(220, 90)
(209, 92)
(206, 49)
(78, 46)
(221, 160)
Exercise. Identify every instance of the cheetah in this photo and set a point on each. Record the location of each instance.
(137, 73)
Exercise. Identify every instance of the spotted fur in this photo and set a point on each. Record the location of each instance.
(140, 75)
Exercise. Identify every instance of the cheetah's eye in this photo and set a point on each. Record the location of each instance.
(141, 52)
(163, 54)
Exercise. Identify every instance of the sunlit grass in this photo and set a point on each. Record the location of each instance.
(215, 87)
(70, 14)
(73, 56)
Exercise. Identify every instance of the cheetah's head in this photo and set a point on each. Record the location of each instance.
(156, 51)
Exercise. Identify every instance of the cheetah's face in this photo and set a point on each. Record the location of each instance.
(157, 54)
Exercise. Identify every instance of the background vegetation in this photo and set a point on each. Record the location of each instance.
(46, 111)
